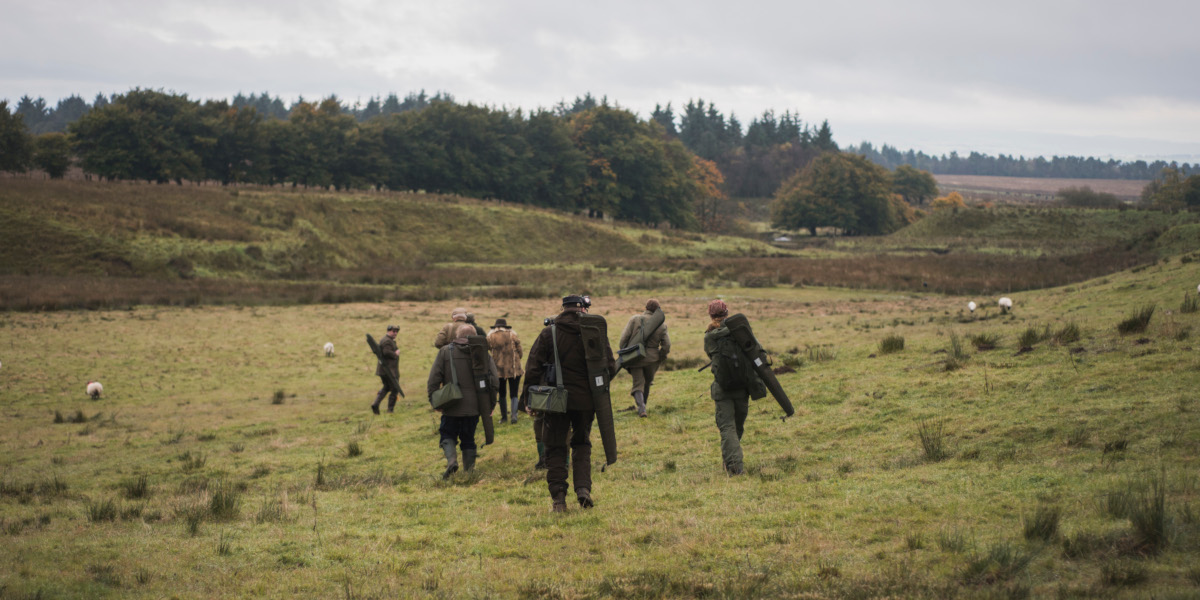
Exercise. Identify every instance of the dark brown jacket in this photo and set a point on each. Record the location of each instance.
(391, 359)
(574, 362)
(440, 375)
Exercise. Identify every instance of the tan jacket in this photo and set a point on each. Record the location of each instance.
(447, 334)
(506, 352)
(658, 345)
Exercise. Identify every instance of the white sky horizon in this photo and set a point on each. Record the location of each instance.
(1104, 79)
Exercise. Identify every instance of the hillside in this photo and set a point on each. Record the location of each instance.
(219, 462)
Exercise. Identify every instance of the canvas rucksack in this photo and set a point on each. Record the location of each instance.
(730, 368)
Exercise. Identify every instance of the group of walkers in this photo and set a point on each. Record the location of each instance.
(566, 386)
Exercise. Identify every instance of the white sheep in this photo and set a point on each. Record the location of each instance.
(1005, 305)
(94, 389)
(328, 348)
(971, 306)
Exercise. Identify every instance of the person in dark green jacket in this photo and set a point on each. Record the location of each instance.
(461, 417)
(391, 362)
(732, 401)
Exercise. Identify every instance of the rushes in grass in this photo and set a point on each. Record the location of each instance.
(58, 417)
(932, 436)
(891, 343)
(136, 488)
(192, 462)
(193, 516)
(225, 501)
(224, 546)
(915, 541)
(353, 449)
(1044, 523)
(363, 427)
(1029, 338)
(1148, 515)
(274, 510)
(821, 353)
(237, 447)
(278, 397)
(984, 341)
(320, 482)
(1137, 321)
(953, 540)
(105, 510)
(1002, 562)
(957, 354)
(1118, 503)
(1067, 334)
(1190, 303)
(1078, 437)
(1115, 573)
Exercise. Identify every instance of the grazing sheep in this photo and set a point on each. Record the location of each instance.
(1005, 305)
(94, 389)
(971, 306)
(328, 348)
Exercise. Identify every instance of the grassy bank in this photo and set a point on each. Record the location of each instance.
(220, 462)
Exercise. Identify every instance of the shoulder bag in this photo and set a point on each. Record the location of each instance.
(449, 392)
(548, 398)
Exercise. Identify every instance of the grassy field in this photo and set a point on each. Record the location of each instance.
(97, 245)
(221, 461)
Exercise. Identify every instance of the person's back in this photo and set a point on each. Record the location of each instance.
(652, 334)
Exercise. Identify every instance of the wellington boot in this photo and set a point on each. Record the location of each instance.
(375, 408)
(468, 460)
(451, 458)
(391, 404)
(640, 400)
(585, 498)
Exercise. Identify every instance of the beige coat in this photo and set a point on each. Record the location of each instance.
(658, 345)
(448, 333)
(506, 352)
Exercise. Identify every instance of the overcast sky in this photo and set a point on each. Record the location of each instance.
(1097, 78)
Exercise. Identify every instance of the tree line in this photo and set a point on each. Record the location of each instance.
(975, 163)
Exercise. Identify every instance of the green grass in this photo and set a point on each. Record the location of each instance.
(841, 500)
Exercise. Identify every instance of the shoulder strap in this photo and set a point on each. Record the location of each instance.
(450, 357)
(558, 382)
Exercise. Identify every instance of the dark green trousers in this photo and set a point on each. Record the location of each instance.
(732, 406)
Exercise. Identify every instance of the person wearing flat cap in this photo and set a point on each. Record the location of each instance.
(449, 331)
(572, 429)
(506, 352)
(389, 361)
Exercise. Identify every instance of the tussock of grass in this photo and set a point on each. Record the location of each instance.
(931, 434)
(1001, 563)
(1043, 525)
(1137, 321)
(891, 343)
(101, 510)
(984, 341)
(1190, 303)
(278, 397)
(224, 502)
(353, 449)
(1067, 334)
(137, 488)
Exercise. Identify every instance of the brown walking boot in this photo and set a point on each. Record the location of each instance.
(558, 504)
(585, 498)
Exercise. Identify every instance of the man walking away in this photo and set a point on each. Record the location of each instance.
(575, 425)
(460, 417)
(449, 331)
(640, 329)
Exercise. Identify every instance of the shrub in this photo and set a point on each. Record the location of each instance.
(1044, 524)
(891, 343)
(1137, 321)
(1190, 303)
(984, 341)
(932, 436)
(1067, 334)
